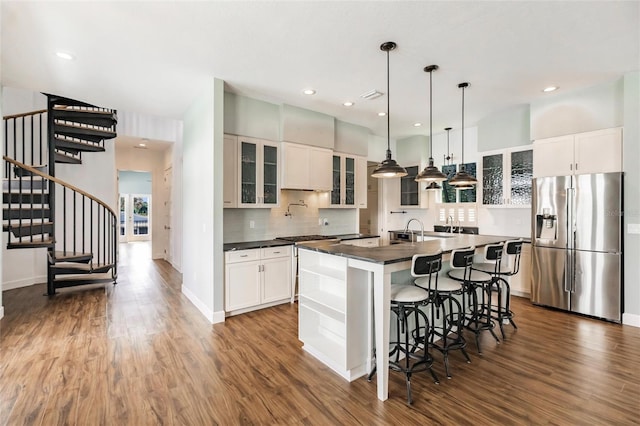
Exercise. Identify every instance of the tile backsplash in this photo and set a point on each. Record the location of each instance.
(262, 224)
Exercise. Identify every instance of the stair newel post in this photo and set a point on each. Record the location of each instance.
(51, 164)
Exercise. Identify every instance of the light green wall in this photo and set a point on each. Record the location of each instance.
(593, 108)
(505, 129)
(351, 138)
(307, 127)
(251, 117)
(413, 150)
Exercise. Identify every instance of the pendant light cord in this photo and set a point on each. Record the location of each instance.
(462, 164)
(388, 115)
(431, 115)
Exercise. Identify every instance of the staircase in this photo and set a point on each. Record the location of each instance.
(78, 231)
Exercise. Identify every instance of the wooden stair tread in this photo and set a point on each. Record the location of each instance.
(71, 268)
(69, 256)
(30, 244)
(81, 146)
(66, 159)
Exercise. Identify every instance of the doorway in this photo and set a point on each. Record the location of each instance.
(135, 206)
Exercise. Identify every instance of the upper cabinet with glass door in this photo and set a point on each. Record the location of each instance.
(343, 193)
(506, 178)
(449, 193)
(257, 173)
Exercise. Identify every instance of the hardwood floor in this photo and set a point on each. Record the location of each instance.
(139, 353)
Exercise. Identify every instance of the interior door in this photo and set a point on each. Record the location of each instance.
(166, 228)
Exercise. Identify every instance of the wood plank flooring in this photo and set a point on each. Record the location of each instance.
(139, 353)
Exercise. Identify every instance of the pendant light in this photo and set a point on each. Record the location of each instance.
(431, 172)
(448, 157)
(388, 168)
(462, 178)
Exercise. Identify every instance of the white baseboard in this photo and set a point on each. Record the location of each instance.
(25, 282)
(631, 319)
(1, 312)
(209, 315)
(218, 317)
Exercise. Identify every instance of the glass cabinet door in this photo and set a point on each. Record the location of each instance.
(521, 175)
(350, 181)
(468, 195)
(409, 187)
(270, 175)
(448, 191)
(248, 173)
(337, 185)
(492, 180)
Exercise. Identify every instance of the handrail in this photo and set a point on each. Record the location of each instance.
(59, 181)
(24, 114)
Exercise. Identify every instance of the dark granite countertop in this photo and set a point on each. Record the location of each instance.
(255, 244)
(354, 236)
(403, 252)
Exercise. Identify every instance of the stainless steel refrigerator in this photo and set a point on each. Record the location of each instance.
(576, 237)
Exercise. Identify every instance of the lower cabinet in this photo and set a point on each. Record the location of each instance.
(257, 278)
(334, 318)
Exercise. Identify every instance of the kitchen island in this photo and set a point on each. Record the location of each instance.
(336, 310)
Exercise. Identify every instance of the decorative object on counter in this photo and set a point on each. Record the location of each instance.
(301, 204)
(431, 174)
(462, 178)
(388, 168)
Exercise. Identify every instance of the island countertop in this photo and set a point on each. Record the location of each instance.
(402, 252)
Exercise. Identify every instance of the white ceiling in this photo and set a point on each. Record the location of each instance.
(156, 57)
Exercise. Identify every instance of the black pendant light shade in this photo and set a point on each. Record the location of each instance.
(433, 186)
(388, 168)
(462, 179)
(431, 173)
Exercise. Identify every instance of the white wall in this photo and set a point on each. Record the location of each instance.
(152, 161)
(203, 280)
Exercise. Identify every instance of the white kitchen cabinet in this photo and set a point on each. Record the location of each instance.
(599, 151)
(334, 323)
(305, 167)
(258, 177)
(506, 177)
(230, 167)
(361, 182)
(343, 192)
(257, 278)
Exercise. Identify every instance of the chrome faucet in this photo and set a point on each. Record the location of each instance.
(301, 204)
(450, 223)
(406, 228)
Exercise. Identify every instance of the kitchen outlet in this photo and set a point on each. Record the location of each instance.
(325, 221)
(252, 224)
(633, 228)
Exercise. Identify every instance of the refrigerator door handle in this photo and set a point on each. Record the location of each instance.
(567, 271)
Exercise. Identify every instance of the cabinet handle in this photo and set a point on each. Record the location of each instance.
(571, 166)
(276, 252)
(244, 255)
(576, 166)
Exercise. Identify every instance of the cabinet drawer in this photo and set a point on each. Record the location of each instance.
(242, 255)
(369, 242)
(271, 252)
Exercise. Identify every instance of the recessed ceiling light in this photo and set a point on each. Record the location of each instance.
(347, 104)
(550, 89)
(309, 92)
(382, 114)
(142, 144)
(417, 124)
(65, 55)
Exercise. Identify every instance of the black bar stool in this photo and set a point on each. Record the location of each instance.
(501, 309)
(446, 312)
(478, 289)
(407, 353)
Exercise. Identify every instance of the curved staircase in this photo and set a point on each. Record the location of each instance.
(81, 235)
